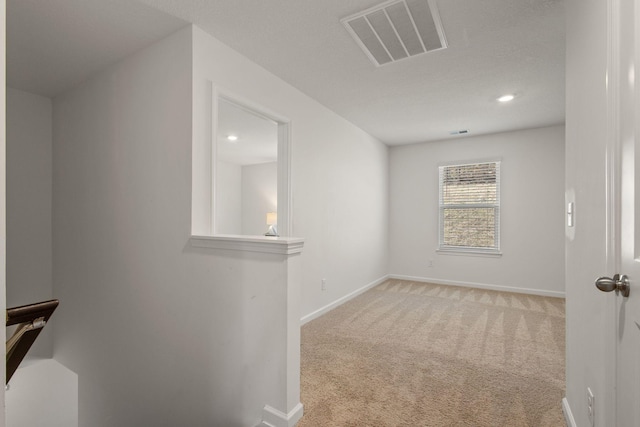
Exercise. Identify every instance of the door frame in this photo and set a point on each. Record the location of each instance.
(613, 196)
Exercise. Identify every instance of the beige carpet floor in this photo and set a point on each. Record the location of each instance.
(417, 354)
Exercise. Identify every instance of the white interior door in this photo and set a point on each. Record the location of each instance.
(628, 175)
(590, 325)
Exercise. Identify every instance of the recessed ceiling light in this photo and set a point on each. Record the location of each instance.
(232, 138)
(506, 98)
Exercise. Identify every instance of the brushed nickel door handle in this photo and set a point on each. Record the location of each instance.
(619, 283)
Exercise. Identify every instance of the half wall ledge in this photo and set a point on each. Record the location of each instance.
(264, 244)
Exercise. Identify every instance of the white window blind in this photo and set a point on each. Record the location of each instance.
(470, 207)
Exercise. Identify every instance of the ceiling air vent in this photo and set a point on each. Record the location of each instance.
(397, 30)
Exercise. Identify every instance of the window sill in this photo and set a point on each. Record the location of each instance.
(469, 252)
(264, 244)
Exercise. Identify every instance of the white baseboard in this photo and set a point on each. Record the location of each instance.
(568, 416)
(319, 312)
(529, 291)
(271, 417)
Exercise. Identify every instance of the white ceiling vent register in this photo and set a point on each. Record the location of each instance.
(397, 30)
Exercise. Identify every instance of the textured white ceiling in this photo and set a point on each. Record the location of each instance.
(495, 47)
(53, 45)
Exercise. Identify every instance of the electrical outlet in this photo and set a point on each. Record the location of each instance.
(323, 284)
(430, 263)
(591, 406)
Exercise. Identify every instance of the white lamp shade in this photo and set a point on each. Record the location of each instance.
(272, 218)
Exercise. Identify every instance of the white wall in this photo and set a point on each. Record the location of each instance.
(532, 211)
(244, 195)
(47, 382)
(339, 174)
(29, 186)
(160, 333)
(229, 196)
(259, 196)
(3, 194)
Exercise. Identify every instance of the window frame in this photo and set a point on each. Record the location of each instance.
(470, 250)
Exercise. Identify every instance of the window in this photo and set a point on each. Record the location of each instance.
(470, 207)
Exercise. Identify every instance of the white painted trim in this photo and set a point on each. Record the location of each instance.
(271, 417)
(529, 291)
(319, 312)
(264, 244)
(285, 204)
(568, 416)
(469, 252)
(213, 170)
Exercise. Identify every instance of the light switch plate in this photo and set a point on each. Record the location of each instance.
(570, 214)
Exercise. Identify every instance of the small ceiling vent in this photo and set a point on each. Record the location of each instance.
(397, 30)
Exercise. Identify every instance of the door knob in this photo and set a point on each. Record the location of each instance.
(619, 283)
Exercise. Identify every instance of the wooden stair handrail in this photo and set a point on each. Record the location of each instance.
(30, 319)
